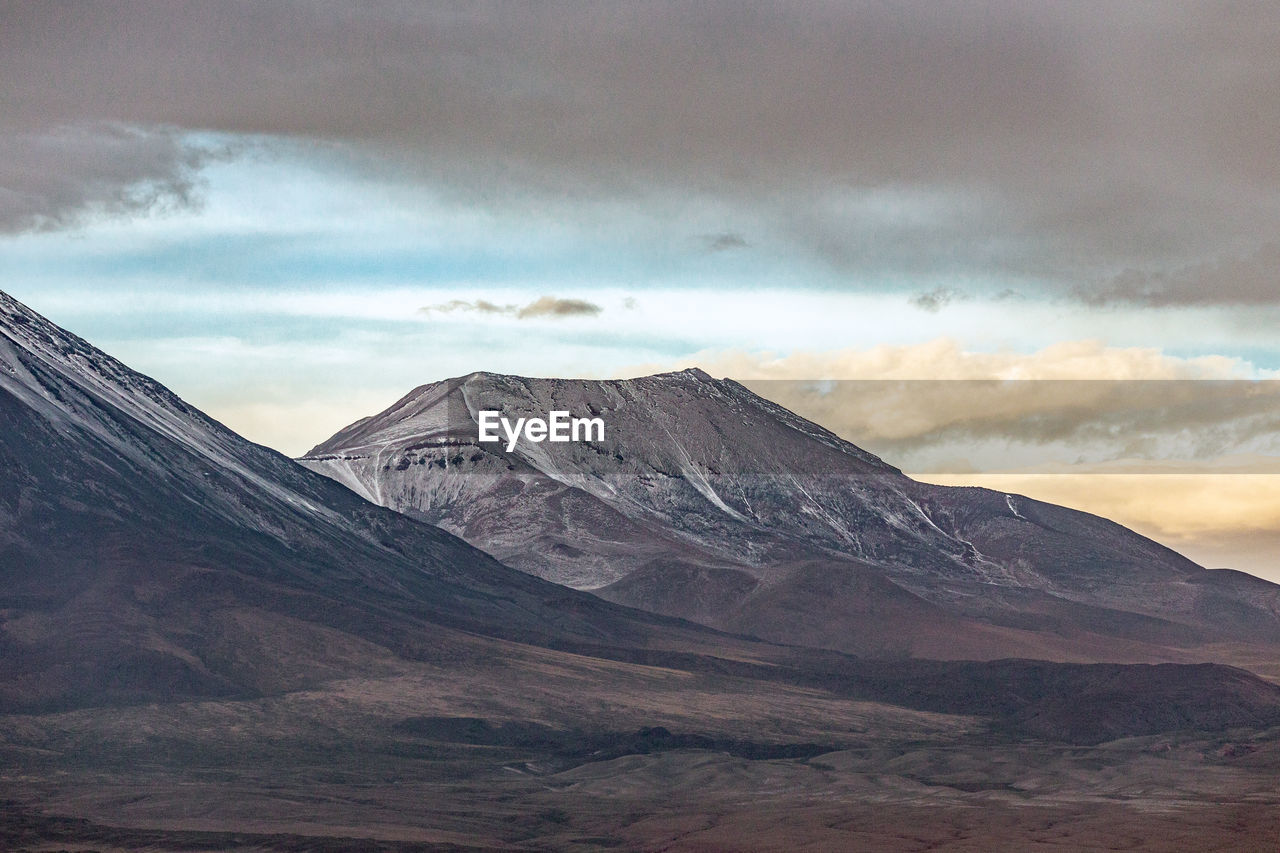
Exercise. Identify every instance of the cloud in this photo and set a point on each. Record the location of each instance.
(1252, 279)
(544, 306)
(944, 358)
(1022, 142)
(724, 241)
(480, 306)
(935, 407)
(936, 299)
(549, 306)
(61, 176)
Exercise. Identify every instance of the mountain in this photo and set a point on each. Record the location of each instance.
(708, 502)
(205, 646)
(147, 552)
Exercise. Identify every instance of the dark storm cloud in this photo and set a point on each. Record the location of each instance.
(54, 177)
(1058, 144)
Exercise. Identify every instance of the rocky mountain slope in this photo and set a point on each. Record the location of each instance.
(205, 646)
(146, 552)
(708, 502)
(150, 554)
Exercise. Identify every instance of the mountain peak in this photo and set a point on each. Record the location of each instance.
(11, 308)
(693, 372)
(25, 326)
(670, 421)
(484, 375)
(706, 501)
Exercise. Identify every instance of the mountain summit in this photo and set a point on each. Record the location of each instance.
(709, 502)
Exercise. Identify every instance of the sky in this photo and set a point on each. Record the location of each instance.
(292, 213)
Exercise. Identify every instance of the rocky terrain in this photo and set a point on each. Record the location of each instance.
(707, 502)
